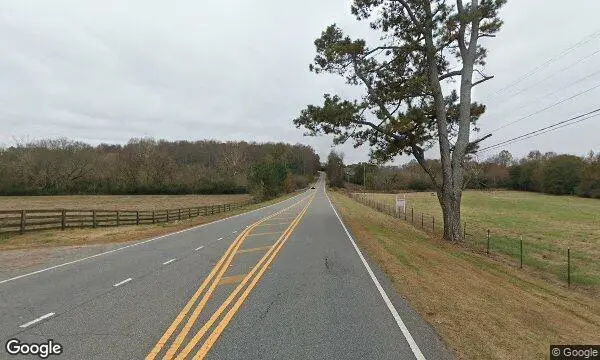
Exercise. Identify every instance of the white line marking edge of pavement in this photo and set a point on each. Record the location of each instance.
(142, 242)
(411, 341)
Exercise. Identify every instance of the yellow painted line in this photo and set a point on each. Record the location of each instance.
(196, 313)
(228, 253)
(262, 248)
(266, 233)
(274, 224)
(232, 279)
(273, 251)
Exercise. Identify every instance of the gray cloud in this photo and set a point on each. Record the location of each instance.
(107, 71)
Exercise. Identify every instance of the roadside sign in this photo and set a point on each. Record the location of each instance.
(401, 203)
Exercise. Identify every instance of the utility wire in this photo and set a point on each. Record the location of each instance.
(549, 61)
(503, 100)
(555, 126)
(547, 107)
(550, 93)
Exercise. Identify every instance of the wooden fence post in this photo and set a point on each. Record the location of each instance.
(412, 215)
(179, 213)
(137, 217)
(422, 221)
(168, 215)
(118, 222)
(23, 217)
(153, 217)
(63, 219)
(488, 242)
(94, 219)
(433, 224)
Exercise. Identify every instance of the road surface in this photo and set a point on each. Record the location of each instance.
(282, 282)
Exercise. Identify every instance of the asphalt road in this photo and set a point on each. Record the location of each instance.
(282, 282)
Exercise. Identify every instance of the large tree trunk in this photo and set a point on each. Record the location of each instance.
(450, 202)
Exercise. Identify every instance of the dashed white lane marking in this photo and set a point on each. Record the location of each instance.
(43, 317)
(219, 239)
(198, 248)
(234, 231)
(123, 282)
(169, 261)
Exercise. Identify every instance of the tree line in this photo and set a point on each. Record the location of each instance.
(551, 173)
(149, 166)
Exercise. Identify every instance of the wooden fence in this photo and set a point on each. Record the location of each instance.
(20, 221)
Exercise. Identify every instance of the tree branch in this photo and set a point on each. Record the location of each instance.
(486, 78)
(410, 13)
(450, 74)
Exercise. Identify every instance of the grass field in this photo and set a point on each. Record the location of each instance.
(482, 308)
(548, 225)
(115, 202)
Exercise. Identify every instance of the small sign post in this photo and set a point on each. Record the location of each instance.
(401, 203)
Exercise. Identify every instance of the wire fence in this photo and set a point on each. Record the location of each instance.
(21, 221)
(574, 267)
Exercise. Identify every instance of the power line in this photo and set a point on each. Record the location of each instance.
(547, 77)
(546, 129)
(559, 90)
(549, 61)
(547, 107)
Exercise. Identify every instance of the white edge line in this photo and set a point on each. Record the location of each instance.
(123, 282)
(141, 242)
(37, 320)
(169, 261)
(411, 342)
(198, 248)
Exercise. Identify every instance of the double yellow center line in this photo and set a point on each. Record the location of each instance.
(210, 283)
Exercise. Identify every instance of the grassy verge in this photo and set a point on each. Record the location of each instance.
(548, 225)
(481, 308)
(77, 237)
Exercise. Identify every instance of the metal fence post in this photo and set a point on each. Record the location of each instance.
(569, 267)
(63, 219)
(521, 265)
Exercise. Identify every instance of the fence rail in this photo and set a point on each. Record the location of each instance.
(21, 221)
(555, 261)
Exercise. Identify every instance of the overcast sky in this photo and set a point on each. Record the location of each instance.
(107, 71)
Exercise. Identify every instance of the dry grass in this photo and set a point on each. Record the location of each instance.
(547, 224)
(115, 202)
(481, 308)
(80, 237)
